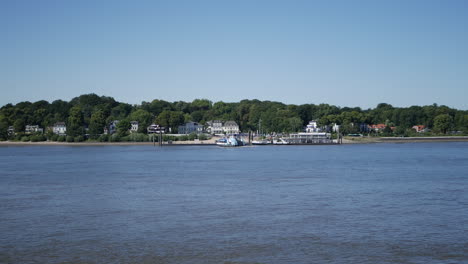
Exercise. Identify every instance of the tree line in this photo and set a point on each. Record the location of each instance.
(91, 113)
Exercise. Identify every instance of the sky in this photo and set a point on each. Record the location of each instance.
(345, 53)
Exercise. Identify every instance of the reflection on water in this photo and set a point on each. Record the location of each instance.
(382, 203)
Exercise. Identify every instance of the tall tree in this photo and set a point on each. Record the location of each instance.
(97, 124)
(442, 123)
(75, 122)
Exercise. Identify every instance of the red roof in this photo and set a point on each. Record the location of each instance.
(378, 126)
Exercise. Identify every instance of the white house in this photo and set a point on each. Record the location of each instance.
(215, 127)
(335, 127)
(134, 127)
(312, 127)
(420, 129)
(191, 127)
(231, 127)
(59, 128)
(33, 129)
(155, 128)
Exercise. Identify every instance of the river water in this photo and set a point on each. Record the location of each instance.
(374, 203)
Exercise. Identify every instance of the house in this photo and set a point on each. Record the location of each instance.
(11, 131)
(420, 128)
(312, 127)
(113, 126)
(364, 128)
(155, 128)
(134, 127)
(231, 127)
(378, 127)
(33, 129)
(59, 128)
(336, 128)
(191, 127)
(215, 127)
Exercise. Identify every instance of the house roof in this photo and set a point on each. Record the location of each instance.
(378, 126)
(230, 123)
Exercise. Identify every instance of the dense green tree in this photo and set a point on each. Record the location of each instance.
(3, 127)
(19, 125)
(122, 128)
(442, 123)
(97, 124)
(75, 122)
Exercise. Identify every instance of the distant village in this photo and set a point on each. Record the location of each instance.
(91, 117)
(211, 128)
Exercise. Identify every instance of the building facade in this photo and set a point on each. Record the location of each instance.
(312, 127)
(59, 128)
(191, 127)
(231, 127)
(134, 127)
(215, 127)
(30, 129)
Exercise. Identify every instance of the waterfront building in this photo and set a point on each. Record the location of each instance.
(215, 127)
(191, 127)
(231, 127)
(310, 138)
(420, 128)
(155, 128)
(59, 128)
(113, 126)
(336, 128)
(312, 127)
(30, 129)
(378, 127)
(134, 127)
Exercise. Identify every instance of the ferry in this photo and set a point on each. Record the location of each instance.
(231, 141)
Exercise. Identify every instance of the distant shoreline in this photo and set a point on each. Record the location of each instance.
(346, 141)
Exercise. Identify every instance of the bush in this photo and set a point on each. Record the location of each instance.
(37, 138)
(192, 136)
(202, 137)
(103, 138)
(183, 138)
(25, 138)
(79, 139)
(19, 136)
(61, 139)
(54, 137)
(70, 139)
(138, 137)
(114, 138)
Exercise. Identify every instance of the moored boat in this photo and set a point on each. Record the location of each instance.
(261, 142)
(231, 141)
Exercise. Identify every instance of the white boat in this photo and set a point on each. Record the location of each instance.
(280, 141)
(261, 142)
(231, 141)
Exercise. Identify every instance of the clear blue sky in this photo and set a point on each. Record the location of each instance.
(346, 53)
